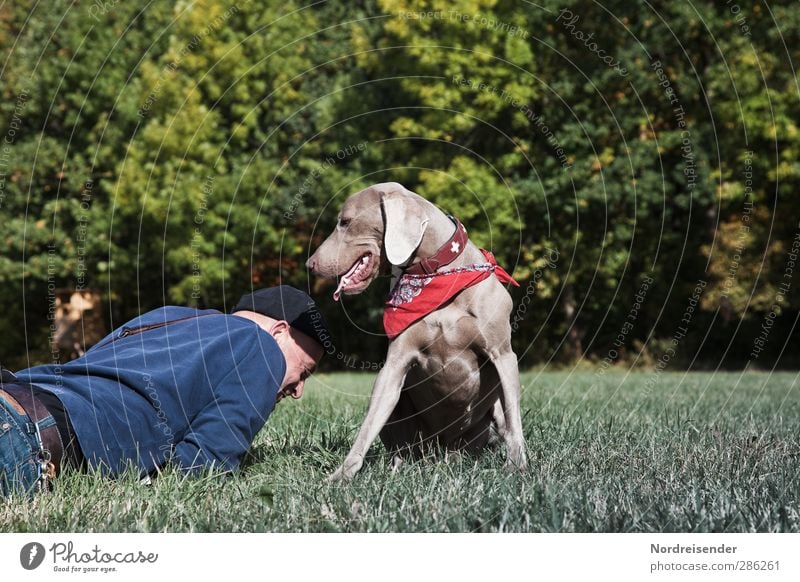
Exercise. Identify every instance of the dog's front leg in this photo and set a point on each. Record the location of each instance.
(385, 394)
(507, 368)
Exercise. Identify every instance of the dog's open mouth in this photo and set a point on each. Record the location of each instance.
(354, 277)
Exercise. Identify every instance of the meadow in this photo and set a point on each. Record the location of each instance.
(636, 452)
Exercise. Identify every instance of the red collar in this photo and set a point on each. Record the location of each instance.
(446, 254)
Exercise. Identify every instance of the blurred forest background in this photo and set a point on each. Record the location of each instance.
(634, 164)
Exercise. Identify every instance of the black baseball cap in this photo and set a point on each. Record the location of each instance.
(286, 303)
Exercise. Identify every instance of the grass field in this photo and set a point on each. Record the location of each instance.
(638, 452)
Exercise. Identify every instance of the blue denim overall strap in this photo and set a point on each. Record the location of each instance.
(25, 465)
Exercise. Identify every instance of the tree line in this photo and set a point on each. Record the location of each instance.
(634, 165)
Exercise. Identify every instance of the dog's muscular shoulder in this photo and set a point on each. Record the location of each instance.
(476, 319)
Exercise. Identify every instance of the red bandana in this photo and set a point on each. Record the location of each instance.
(415, 296)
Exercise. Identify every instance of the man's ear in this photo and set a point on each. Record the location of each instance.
(279, 327)
(404, 226)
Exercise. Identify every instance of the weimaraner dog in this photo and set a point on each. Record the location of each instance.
(451, 377)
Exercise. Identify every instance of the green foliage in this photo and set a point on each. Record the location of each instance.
(185, 152)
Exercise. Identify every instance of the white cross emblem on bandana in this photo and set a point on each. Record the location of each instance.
(454, 247)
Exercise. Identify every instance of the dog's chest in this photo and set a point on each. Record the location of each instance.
(450, 371)
(450, 375)
(447, 390)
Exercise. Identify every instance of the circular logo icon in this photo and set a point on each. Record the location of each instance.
(31, 555)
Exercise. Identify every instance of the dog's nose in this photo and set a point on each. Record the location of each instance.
(311, 263)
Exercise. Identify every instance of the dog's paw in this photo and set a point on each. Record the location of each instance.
(345, 472)
(397, 462)
(352, 464)
(516, 462)
(339, 476)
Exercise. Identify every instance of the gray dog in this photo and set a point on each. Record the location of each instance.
(450, 376)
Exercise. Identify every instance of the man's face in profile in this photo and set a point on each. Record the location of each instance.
(301, 354)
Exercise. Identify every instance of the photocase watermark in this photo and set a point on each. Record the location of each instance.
(568, 20)
(67, 559)
(83, 226)
(52, 309)
(171, 67)
(665, 83)
(349, 360)
(324, 338)
(678, 335)
(551, 262)
(31, 555)
(744, 227)
(315, 174)
(627, 326)
(476, 18)
(100, 8)
(353, 363)
(14, 125)
(738, 17)
(783, 288)
(197, 237)
(515, 102)
(687, 153)
(163, 424)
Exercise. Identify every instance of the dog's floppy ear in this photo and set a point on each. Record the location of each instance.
(404, 225)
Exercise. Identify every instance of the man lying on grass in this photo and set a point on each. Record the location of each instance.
(175, 385)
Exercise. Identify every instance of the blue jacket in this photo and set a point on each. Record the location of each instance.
(195, 391)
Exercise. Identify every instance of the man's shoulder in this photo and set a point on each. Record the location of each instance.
(243, 335)
(240, 336)
(176, 312)
(254, 353)
(166, 315)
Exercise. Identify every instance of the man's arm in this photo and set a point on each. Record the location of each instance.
(222, 432)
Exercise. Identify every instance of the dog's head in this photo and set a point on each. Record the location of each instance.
(377, 227)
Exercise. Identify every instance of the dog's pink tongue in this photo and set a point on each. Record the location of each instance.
(343, 282)
(338, 292)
